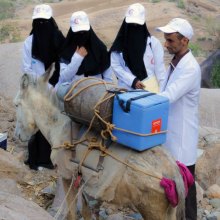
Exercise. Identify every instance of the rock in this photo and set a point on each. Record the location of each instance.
(135, 216)
(206, 212)
(215, 203)
(213, 216)
(103, 215)
(208, 136)
(11, 167)
(115, 217)
(209, 106)
(206, 68)
(208, 167)
(13, 53)
(199, 153)
(208, 208)
(204, 202)
(13, 207)
(10, 186)
(213, 191)
(199, 192)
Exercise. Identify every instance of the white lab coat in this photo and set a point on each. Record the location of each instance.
(29, 64)
(153, 61)
(182, 89)
(68, 71)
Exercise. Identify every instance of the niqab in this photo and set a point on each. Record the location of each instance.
(46, 43)
(96, 61)
(131, 40)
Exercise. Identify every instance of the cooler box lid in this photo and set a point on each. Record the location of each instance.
(139, 98)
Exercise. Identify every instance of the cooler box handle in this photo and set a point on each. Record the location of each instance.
(128, 104)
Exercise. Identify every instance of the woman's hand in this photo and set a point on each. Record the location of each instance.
(139, 85)
(81, 51)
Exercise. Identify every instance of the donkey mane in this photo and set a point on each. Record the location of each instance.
(44, 92)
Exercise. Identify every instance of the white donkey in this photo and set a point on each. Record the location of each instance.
(122, 183)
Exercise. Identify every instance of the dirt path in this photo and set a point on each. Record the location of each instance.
(10, 69)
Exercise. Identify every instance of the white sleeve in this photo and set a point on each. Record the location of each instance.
(27, 57)
(107, 75)
(68, 71)
(182, 85)
(159, 66)
(121, 73)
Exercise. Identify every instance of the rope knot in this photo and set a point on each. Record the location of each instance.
(108, 131)
(67, 145)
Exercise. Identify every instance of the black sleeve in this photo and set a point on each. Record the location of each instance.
(134, 83)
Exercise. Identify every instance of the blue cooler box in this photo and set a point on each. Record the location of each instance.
(3, 141)
(141, 112)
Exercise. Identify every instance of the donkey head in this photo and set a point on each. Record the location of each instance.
(30, 86)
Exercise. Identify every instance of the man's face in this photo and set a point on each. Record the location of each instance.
(174, 44)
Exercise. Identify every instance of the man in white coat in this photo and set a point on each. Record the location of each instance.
(182, 87)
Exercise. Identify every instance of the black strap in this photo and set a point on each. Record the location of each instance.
(126, 108)
(128, 104)
(102, 157)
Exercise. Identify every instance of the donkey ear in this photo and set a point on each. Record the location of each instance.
(24, 81)
(48, 74)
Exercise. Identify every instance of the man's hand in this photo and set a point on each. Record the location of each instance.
(81, 51)
(139, 85)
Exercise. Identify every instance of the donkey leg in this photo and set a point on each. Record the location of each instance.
(71, 204)
(171, 213)
(86, 211)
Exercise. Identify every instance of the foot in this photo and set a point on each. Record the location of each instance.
(48, 166)
(33, 167)
(26, 162)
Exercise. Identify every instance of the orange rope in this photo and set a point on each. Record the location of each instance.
(66, 98)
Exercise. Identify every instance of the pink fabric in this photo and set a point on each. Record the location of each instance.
(170, 186)
(186, 175)
(170, 191)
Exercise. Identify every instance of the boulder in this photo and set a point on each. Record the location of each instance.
(11, 167)
(209, 106)
(213, 192)
(14, 207)
(206, 68)
(10, 186)
(208, 166)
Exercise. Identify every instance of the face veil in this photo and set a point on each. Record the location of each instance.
(96, 61)
(46, 43)
(42, 44)
(131, 40)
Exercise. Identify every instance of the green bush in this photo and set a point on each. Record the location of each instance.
(180, 4)
(201, 38)
(155, 1)
(195, 48)
(9, 33)
(215, 74)
(6, 9)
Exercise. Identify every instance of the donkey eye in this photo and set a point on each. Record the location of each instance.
(16, 105)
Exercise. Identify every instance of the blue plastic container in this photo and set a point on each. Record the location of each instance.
(3, 141)
(140, 112)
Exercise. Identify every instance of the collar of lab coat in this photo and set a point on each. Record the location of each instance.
(182, 63)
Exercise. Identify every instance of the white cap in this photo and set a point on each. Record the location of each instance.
(79, 21)
(178, 25)
(42, 11)
(135, 14)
